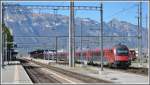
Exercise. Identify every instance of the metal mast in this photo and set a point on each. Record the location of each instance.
(140, 31)
(2, 34)
(81, 44)
(55, 15)
(71, 35)
(147, 21)
(5, 38)
(101, 32)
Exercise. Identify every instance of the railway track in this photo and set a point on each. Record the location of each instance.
(36, 75)
(84, 78)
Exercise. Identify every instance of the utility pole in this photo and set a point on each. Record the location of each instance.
(101, 32)
(147, 27)
(81, 44)
(6, 47)
(2, 34)
(55, 16)
(55, 12)
(48, 54)
(140, 32)
(71, 35)
(73, 26)
(10, 54)
(138, 43)
(56, 49)
(81, 57)
(44, 54)
(3, 48)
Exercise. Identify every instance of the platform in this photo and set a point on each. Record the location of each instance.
(108, 74)
(143, 65)
(14, 73)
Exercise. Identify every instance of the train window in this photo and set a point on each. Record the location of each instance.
(121, 51)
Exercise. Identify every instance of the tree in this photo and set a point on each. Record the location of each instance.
(9, 36)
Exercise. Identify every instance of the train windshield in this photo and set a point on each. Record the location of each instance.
(121, 51)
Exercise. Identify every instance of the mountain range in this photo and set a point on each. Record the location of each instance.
(27, 24)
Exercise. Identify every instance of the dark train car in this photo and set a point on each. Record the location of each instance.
(37, 54)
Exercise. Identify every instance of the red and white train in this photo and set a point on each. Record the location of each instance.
(118, 56)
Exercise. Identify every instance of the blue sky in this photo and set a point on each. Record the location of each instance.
(111, 10)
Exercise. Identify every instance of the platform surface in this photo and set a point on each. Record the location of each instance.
(143, 65)
(14, 73)
(108, 74)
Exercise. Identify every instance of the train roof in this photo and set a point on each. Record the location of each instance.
(120, 46)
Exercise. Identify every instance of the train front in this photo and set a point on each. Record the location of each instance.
(121, 56)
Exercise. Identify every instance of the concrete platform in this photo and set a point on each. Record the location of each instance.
(14, 73)
(143, 65)
(108, 74)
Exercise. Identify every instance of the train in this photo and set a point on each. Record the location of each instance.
(117, 56)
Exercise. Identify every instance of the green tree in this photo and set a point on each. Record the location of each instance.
(9, 36)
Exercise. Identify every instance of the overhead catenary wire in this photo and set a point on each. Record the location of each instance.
(121, 11)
